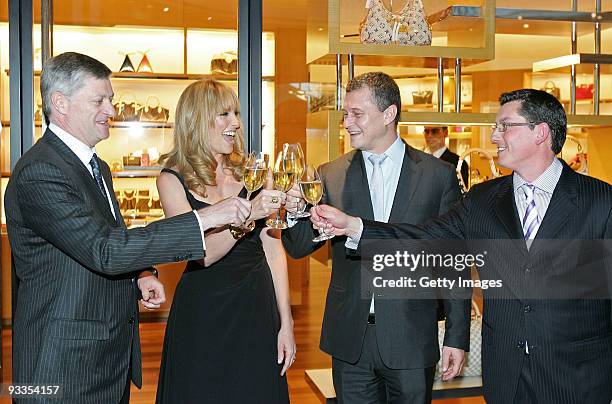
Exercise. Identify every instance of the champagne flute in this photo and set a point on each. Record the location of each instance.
(312, 191)
(254, 177)
(283, 181)
(294, 160)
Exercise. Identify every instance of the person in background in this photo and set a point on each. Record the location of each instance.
(229, 337)
(378, 356)
(547, 330)
(435, 138)
(77, 269)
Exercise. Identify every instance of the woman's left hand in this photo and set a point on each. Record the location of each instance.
(286, 348)
(265, 203)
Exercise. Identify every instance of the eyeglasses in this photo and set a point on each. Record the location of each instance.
(503, 126)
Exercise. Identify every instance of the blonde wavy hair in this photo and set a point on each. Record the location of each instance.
(191, 154)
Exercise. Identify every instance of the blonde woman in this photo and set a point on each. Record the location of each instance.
(229, 337)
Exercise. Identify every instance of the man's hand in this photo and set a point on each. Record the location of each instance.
(452, 362)
(334, 221)
(295, 202)
(153, 293)
(232, 211)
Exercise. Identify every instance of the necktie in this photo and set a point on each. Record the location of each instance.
(377, 186)
(95, 168)
(377, 195)
(531, 222)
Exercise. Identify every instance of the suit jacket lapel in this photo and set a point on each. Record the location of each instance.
(108, 179)
(357, 182)
(79, 169)
(562, 205)
(407, 184)
(505, 209)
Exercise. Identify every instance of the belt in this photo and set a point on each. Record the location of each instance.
(371, 318)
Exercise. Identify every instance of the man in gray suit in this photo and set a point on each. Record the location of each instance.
(77, 266)
(383, 350)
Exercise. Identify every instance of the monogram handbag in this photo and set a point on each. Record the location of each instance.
(127, 109)
(224, 63)
(422, 97)
(473, 360)
(408, 27)
(153, 112)
(127, 65)
(552, 89)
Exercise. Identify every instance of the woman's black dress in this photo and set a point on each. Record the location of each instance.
(221, 338)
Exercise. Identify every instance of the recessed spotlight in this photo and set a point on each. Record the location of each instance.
(320, 29)
(209, 18)
(520, 17)
(166, 9)
(525, 26)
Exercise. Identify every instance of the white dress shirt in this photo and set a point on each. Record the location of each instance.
(544, 186)
(438, 153)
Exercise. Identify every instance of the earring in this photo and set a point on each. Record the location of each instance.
(144, 65)
(127, 65)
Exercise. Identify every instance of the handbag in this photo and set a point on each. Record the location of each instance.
(422, 97)
(127, 111)
(584, 92)
(408, 27)
(153, 112)
(552, 89)
(473, 361)
(144, 66)
(127, 65)
(224, 63)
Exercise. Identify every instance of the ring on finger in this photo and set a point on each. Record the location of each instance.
(274, 199)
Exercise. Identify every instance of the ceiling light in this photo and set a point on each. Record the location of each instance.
(166, 9)
(209, 18)
(525, 26)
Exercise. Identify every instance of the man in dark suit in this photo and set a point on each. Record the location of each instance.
(77, 267)
(435, 138)
(547, 331)
(383, 350)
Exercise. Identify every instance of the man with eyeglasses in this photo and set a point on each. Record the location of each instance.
(435, 138)
(546, 230)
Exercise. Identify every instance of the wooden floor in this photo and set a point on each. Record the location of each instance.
(307, 330)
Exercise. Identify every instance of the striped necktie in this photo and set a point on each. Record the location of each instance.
(95, 169)
(531, 222)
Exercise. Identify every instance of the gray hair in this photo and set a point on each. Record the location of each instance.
(66, 74)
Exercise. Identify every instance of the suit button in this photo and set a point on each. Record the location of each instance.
(520, 344)
(379, 295)
(527, 308)
(527, 271)
(131, 320)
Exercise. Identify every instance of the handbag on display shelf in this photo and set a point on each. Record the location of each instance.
(552, 89)
(127, 110)
(473, 361)
(127, 65)
(422, 97)
(408, 27)
(579, 162)
(584, 92)
(224, 63)
(153, 112)
(475, 177)
(144, 66)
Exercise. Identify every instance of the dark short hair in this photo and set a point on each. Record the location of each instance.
(541, 107)
(66, 73)
(383, 88)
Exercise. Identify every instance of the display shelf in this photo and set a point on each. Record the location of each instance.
(584, 61)
(137, 173)
(328, 36)
(166, 76)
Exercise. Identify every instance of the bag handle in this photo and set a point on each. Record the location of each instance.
(466, 153)
(124, 101)
(155, 98)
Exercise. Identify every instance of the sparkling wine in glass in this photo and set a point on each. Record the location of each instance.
(254, 176)
(312, 191)
(294, 161)
(283, 181)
